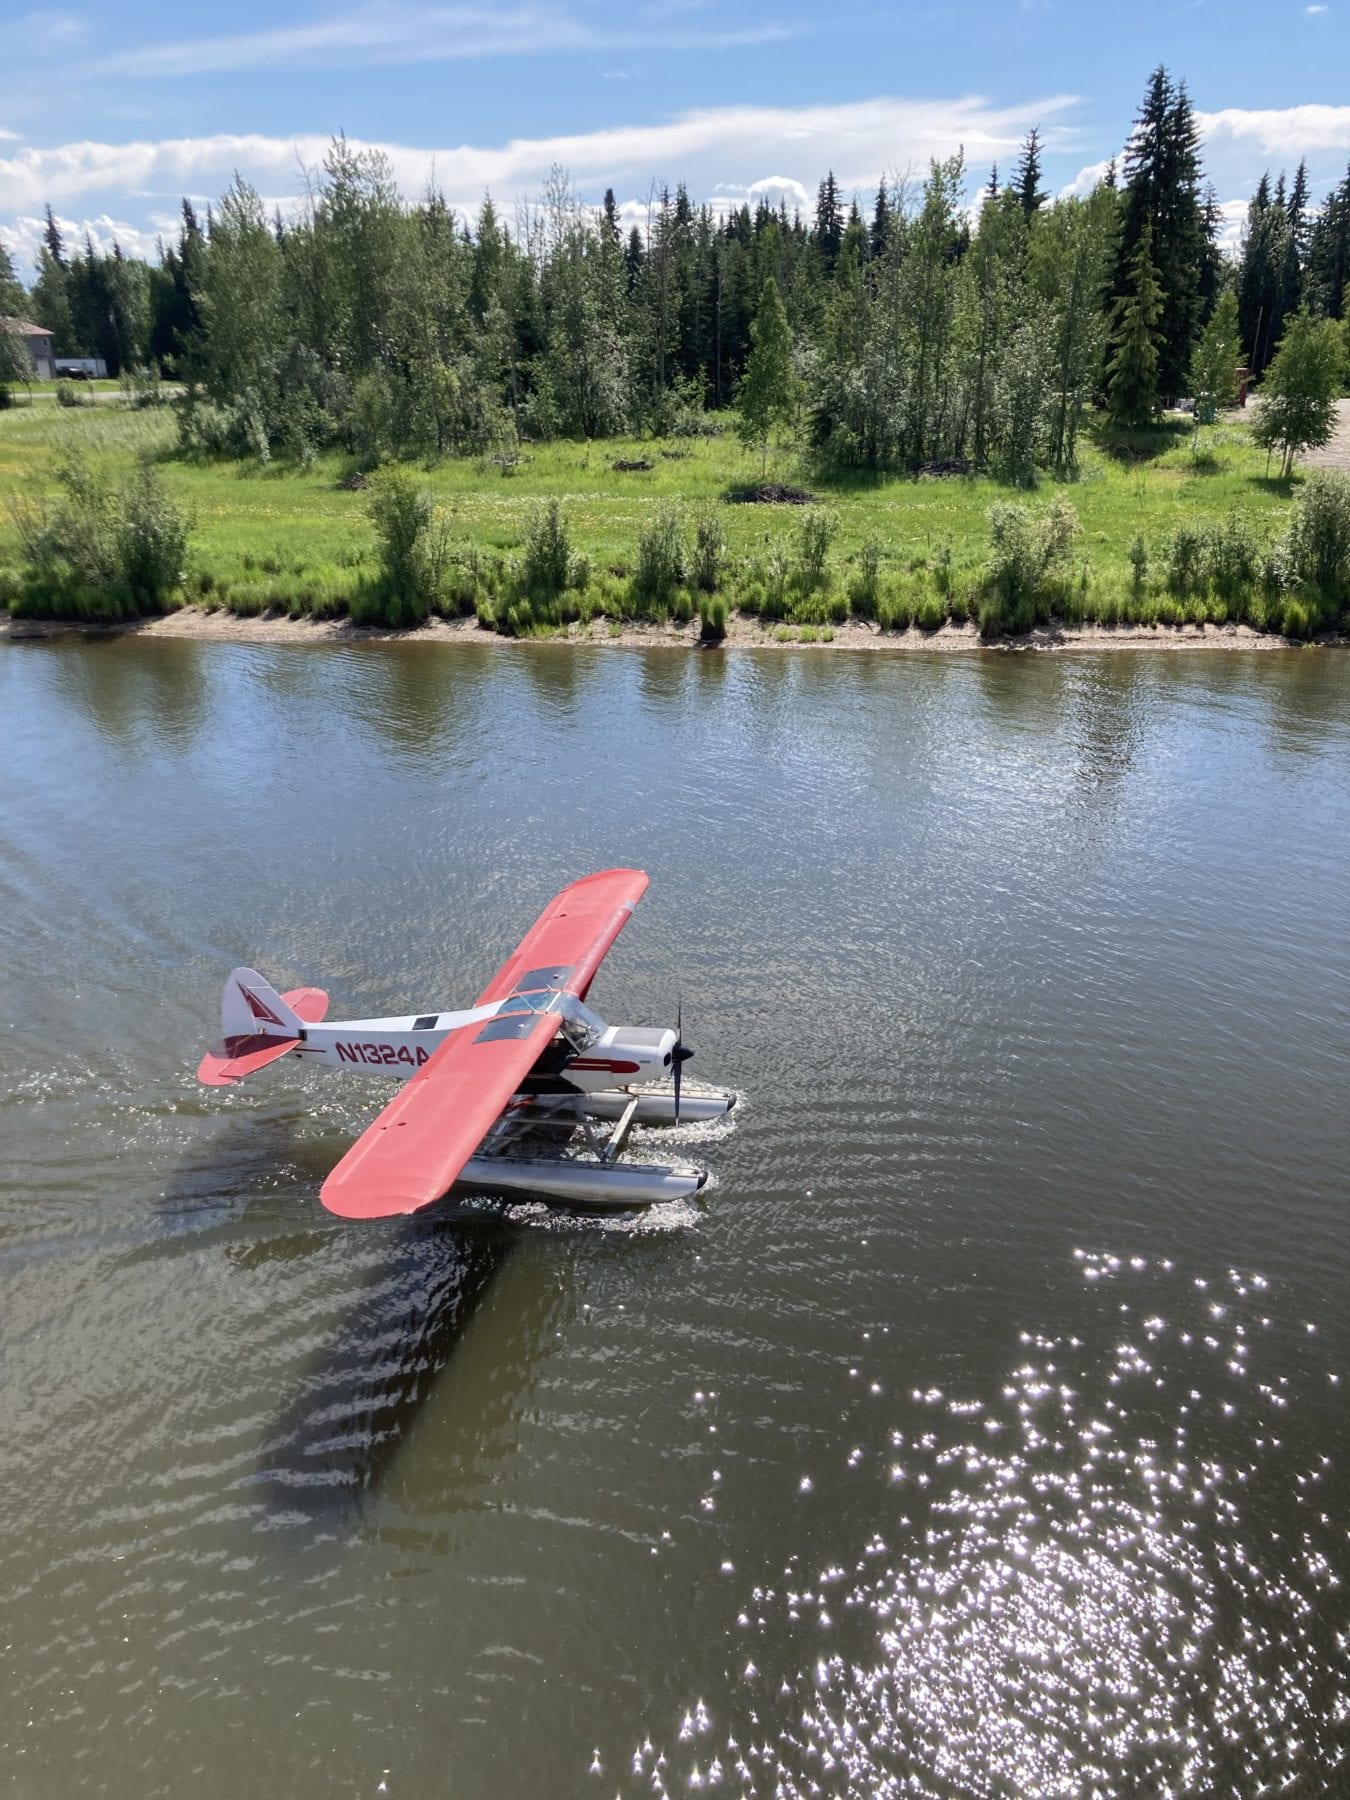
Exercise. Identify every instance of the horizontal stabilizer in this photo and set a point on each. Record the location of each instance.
(242, 1053)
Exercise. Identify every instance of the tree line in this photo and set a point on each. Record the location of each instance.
(921, 332)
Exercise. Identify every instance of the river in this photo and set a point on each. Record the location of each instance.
(981, 1431)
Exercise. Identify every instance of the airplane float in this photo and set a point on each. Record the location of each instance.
(503, 1096)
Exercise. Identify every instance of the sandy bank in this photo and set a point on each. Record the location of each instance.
(742, 634)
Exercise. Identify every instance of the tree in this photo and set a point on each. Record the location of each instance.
(1329, 252)
(1162, 192)
(1070, 261)
(769, 390)
(1215, 363)
(240, 307)
(15, 363)
(829, 230)
(1132, 373)
(1027, 180)
(1298, 396)
(13, 299)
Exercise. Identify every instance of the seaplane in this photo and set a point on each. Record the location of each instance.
(509, 1095)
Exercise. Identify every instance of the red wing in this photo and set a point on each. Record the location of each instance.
(421, 1141)
(570, 937)
(417, 1146)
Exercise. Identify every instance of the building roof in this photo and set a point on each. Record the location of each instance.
(24, 327)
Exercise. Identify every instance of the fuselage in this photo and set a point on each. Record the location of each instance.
(587, 1055)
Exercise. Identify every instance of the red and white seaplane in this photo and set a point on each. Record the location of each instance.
(503, 1096)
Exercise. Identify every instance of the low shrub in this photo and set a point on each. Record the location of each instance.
(929, 613)
(1026, 547)
(1138, 555)
(710, 550)
(1317, 543)
(712, 612)
(661, 557)
(817, 531)
(413, 552)
(95, 550)
(894, 612)
(546, 564)
(865, 588)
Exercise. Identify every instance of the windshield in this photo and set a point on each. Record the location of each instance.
(583, 1027)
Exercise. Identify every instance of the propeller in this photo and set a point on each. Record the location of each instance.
(679, 1056)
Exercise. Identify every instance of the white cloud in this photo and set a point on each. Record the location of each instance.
(422, 34)
(1313, 11)
(723, 148)
(23, 236)
(1232, 219)
(1280, 131)
(1084, 181)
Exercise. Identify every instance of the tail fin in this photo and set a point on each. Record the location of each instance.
(258, 1025)
(252, 1007)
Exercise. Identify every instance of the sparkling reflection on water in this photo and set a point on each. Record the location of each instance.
(1074, 1588)
(852, 1478)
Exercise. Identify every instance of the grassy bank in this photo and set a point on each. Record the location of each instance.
(900, 551)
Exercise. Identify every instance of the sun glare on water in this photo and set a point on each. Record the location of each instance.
(1080, 1589)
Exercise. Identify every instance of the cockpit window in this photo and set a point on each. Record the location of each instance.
(583, 1027)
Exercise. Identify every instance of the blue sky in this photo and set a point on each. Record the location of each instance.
(112, 113)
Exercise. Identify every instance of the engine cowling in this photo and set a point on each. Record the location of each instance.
(622, 1056)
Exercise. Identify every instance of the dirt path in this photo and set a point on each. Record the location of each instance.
(1336, 454)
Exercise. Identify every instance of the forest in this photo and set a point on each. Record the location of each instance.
(926, 335)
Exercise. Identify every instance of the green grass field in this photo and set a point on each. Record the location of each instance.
(282, 537)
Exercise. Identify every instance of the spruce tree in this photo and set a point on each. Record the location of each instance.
(829, 228)
(769, 389)
(1132, 372)
(611, 212)
(880, 234)
(1162, 192)
(1027, 181)
(51, 236)
(1329, 252)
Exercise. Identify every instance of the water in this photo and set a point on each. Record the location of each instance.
(981, 1433)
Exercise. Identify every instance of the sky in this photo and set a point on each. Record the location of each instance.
(113, 112)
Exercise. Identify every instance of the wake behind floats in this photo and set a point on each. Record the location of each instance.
(502, 1096)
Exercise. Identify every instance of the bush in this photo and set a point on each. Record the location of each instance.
(152, 539)
(1138, 555)
(661, 557)
(546, 564)
(815, 534)
(66, 394)
(95, 551)
(710, 550)
(1184, 559)
(1318, 541)
(1234, 554)
(776, 569)
(413, 552)
(712, 612)
(894, 612)
(1026, 547)
(929, 613)
(866, 586)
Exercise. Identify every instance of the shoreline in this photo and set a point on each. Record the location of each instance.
(742, 634)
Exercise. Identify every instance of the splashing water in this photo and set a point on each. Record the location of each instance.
(1110, 1581)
